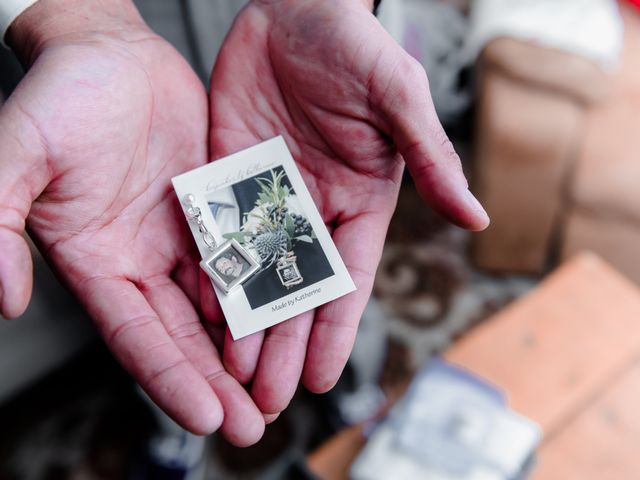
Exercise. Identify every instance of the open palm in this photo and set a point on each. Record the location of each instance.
(351, 105)
(93, 134)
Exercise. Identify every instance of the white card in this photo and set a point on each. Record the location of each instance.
(255, 203)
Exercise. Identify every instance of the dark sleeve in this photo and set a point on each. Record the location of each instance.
(376, 5)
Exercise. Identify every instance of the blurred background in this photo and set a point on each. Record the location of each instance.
(541, 99)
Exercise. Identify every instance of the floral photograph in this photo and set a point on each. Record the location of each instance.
(264, 215)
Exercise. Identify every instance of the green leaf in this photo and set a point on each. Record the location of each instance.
(305, 238)
(289, 225)
(264, 186)
(262, 198)
(238, 236)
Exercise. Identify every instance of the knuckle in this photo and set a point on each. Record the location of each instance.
(408, 86)
(114, 337)
(290, 337)
(215, 376)
(185, 331)
(414, 72)
(156, 377)
(441, 139)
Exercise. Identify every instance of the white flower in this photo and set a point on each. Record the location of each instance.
(293, 204)
(255, 218)
(258, 215)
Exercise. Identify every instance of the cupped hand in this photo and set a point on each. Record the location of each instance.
(106, 115)
(353, 108)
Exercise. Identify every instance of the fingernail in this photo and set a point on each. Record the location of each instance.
(476, 207)
(270, 417)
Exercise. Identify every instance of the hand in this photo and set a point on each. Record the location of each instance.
(106, 115)
(351, 105)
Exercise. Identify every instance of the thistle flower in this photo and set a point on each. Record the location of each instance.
(271, 245)
(275, 224)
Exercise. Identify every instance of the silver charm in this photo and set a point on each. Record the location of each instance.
(228, 265)
(288, 271)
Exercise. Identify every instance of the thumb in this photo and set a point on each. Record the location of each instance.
(401, 94)
(24, 175)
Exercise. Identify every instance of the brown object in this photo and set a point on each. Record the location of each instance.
(620, 240)
(332, 460)
(559, 346)
(521, 160)
(549, 69)
(601, 442)
(607, 172)
(568, 356)
(603, 211)
(557, 138)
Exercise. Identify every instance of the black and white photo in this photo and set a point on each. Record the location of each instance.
(230, 265)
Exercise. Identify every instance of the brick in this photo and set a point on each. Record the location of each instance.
(555, 348)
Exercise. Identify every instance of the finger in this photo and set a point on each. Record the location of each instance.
(208, 301)
(281, 362)
(187, 277)
(24, 173)
(401, 94)
(139, 340)
(243, 423)
(270, 417)
(241, 356)
(213, 319)
(336, 323)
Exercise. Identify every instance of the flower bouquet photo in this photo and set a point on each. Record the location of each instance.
(274, 227)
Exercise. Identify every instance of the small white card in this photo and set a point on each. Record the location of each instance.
(273, 253)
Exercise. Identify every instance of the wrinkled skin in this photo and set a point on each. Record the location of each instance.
(351, 104)
(108, 113)
(92, 136)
